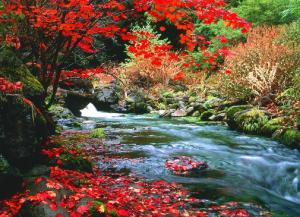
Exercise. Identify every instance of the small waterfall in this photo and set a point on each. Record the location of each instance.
(90, 111)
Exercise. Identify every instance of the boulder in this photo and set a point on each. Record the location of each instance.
(251, 121)
(218, 117)
(32, 88)
(23, 128)
(179, 113)
(205, 116)
(231, 111)
(272, 126)
(106, 96)
(290, 137)
(80, 85)
(76, 101)
(137, 102)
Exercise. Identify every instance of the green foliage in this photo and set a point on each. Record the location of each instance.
(147, 27)
(290, 35)
(98, 133)
(270, 12)
(211, 32)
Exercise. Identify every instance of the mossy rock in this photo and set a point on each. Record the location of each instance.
(23, 129)
(98, 133)
(206, 115)
(196, 114)
(290, 137)
(251, 121)
(32, 88)
(272, 126)
(231, 111)
(74, 162)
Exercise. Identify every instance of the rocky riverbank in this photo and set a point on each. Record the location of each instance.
(183, 103)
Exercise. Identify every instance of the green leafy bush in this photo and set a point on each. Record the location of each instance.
(270, 12)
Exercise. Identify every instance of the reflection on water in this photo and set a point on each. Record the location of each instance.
(242, 168)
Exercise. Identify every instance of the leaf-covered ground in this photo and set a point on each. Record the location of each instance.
(69, 190)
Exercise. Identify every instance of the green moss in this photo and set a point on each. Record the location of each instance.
(32, 88)
(74, 162)
(289, 137)
(272, 126)
(206, 115)
(231, 111)
(251, 121)
(98, 133)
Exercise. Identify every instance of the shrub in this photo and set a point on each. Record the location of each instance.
(270, 12)
(151, 63)
(260, 67)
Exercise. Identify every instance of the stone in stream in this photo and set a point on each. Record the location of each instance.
(179, 113)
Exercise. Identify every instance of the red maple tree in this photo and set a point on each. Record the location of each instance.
(46, 33)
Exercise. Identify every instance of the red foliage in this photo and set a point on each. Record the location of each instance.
(53, 29)
(8, 87)
(126, 195)
(183, 165)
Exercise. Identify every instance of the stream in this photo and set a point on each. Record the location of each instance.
(241, 167)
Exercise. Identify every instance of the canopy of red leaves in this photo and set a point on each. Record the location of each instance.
(8, 87)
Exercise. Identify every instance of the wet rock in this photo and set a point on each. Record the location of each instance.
(60, 112)
(137, 102)
(218, 117)
(76, 101)
(106, 96)
(179, 113)
(190, 110)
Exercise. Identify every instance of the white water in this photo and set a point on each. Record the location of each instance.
(90, 111)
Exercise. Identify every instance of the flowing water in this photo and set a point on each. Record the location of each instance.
(241, 167)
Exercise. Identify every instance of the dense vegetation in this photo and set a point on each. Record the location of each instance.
(235, 61)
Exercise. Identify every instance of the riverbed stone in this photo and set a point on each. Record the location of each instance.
(179, 113)
(231, 111)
